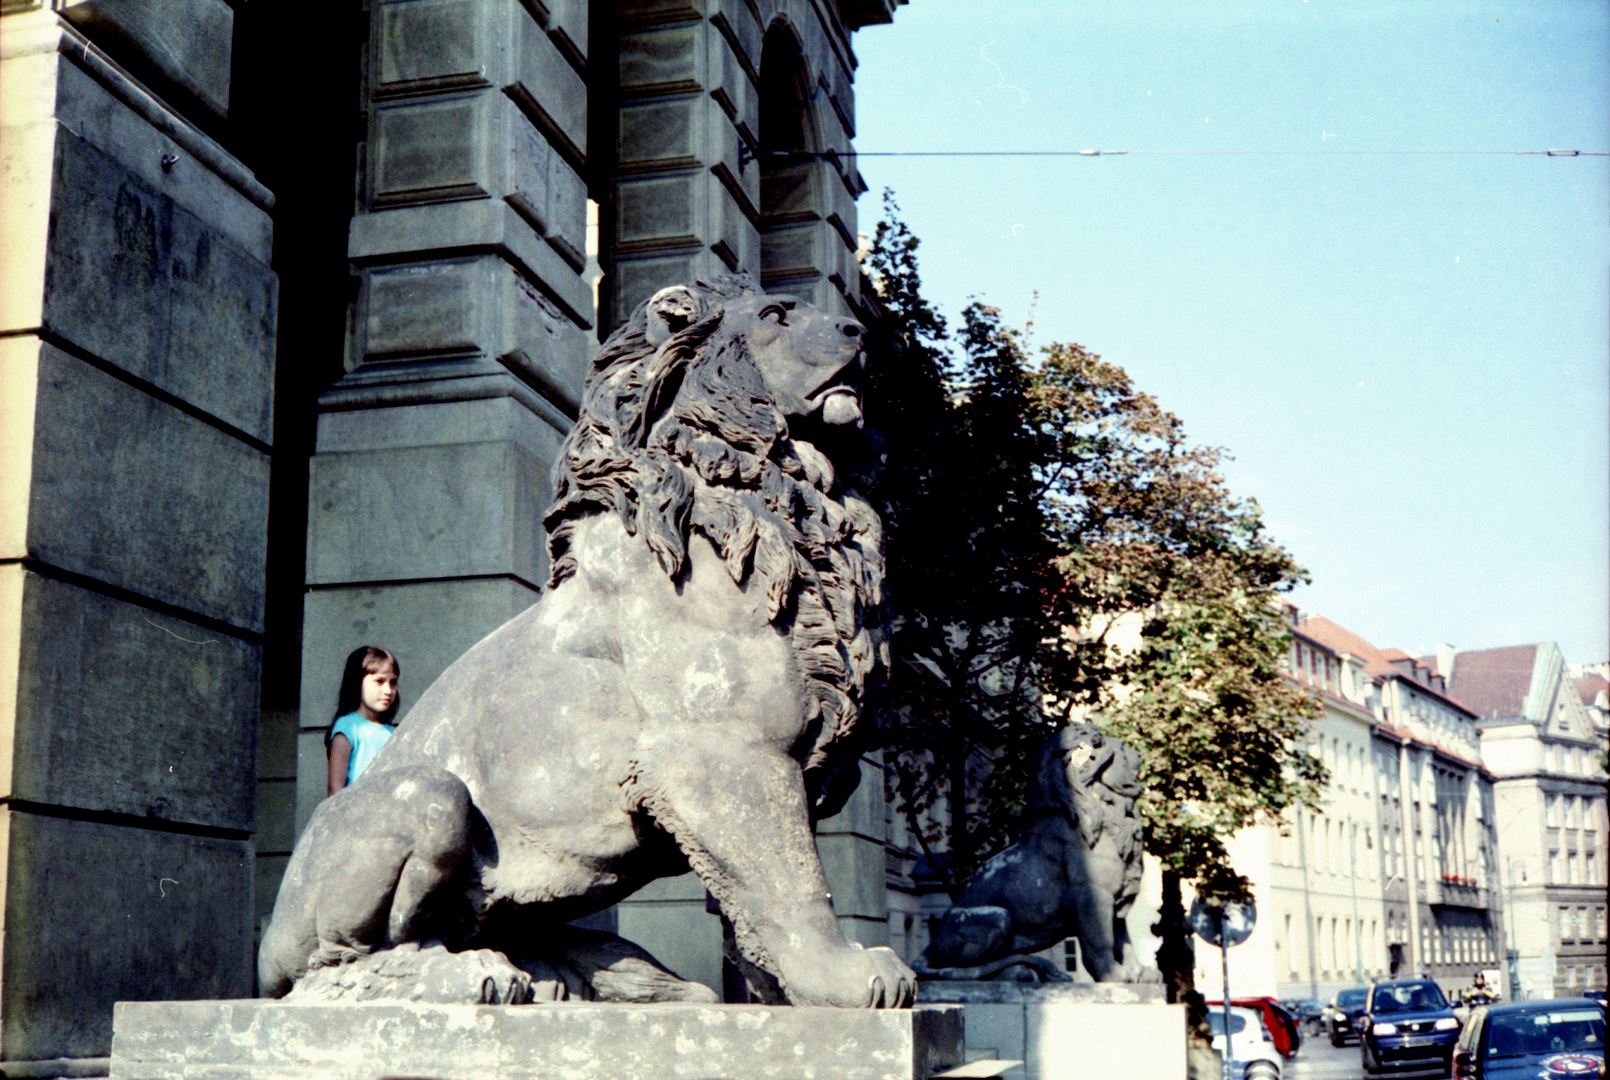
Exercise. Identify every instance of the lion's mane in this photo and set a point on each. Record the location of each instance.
(684, 438)
(1096, 793)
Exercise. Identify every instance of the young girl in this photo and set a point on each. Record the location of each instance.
(364, 712)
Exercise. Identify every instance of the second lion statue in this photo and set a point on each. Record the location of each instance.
(684, 694)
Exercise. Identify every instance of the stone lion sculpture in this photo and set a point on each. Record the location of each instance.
(684, 695)
(1073, 872)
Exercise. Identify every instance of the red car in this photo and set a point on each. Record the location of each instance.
(1281, 1025)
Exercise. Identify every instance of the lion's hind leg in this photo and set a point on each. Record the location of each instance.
(364, 873)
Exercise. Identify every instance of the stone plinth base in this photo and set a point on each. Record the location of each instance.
(271, 1040)
(1070, 1031)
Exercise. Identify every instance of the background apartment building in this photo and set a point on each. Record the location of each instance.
(1543, 736)
(1396, 873)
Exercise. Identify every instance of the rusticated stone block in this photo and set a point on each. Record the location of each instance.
(544, 84)
(663, 59)
(662, 134)
(445, 511)
(567, 25)
(475, 307)
(123, 710)
(187, 42)
(431, 150)
(657, 210)
(423, 45)
(137, 280)
(133, 492)
(99, 913)
(738, 25)
(272, 1040)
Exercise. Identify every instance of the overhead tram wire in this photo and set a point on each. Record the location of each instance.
(746, 155)
(1203, 153)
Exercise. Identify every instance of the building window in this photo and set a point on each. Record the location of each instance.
(1552, 802)
(1566, 935)
(1554, 877)
(1571, 868)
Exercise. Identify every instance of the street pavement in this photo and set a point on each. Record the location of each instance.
(1317, 1059)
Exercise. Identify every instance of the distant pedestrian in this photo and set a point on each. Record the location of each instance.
(364, 713)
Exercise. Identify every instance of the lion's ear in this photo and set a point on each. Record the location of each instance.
(669, 310)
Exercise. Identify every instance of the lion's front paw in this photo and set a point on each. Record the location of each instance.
(852, 978)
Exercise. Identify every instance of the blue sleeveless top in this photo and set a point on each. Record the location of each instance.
(366, 737)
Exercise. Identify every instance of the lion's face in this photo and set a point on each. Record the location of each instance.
(812, 361)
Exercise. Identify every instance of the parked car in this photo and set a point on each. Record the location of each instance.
(1310, 1014)
(1342, 1015)
(1407, 1024)
(1557, 1040)
(1252, 1053)
(1280, 1024)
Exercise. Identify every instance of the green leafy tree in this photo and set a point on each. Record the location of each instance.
(1040, 511)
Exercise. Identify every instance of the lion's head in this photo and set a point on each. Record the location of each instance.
(1089, 777)
(709, 412)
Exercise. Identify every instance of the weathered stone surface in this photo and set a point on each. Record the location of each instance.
(446, 511)
(567, 25)
(433, 150)
(999, 992)
(114, 914)
(47, 92)
(120, 709)
(663, 133)
(560, 1041)
(131, 491)
(548, 88)
(187, 42)
(423, 45)
(444, 423)
(139, 281)
(1074, 872)
(475, 307)
(657, 709)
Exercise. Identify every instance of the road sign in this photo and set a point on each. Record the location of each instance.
(1226, 925)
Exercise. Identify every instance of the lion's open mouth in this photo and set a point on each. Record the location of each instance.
(838, 398)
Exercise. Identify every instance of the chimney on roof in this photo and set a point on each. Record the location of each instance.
(1289, 610)
(1445, 658)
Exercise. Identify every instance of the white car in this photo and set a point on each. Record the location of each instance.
(1252, 1053)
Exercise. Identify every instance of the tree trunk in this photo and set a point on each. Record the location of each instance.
(1176, 959)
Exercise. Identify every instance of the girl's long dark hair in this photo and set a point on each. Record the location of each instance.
(363, 660)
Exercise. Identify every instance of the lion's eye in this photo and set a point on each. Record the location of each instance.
(776, 313)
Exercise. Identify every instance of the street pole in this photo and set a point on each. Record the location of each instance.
(1512, 955)
(1358, 931)
(1308, 908)
(1224, 979)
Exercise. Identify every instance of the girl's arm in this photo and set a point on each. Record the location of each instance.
(340, 757)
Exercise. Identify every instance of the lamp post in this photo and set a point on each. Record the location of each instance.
(1352, 877)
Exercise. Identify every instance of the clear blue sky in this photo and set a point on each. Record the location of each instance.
(1406, 353)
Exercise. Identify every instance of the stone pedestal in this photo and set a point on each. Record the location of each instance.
(1069, 1030)
(271, 1040)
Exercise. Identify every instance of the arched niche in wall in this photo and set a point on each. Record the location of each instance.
(798, 247)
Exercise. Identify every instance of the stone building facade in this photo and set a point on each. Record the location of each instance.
(1539, 737)
(294, 321)
(1397, 873)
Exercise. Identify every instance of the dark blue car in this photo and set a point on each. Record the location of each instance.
(1407, 1025)
(1533, 1040)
